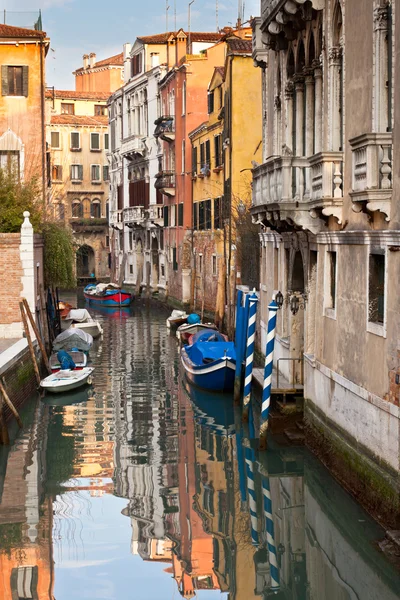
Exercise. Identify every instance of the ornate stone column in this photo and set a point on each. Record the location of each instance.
(309, 129)
(381, 70)
(299, 88)
(335, 100)
(289, 91)
(318, 107)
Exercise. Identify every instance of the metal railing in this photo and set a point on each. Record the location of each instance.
(293, 360)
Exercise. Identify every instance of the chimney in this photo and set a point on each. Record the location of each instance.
(92, 59)
(127, 50)
(85, 61)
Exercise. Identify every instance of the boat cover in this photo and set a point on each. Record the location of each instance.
(208, 335)
(79, 315)
(193, 319)
(203, 353)
(73, 338)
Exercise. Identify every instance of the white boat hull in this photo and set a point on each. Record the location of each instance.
(64, 381)
(93, 328)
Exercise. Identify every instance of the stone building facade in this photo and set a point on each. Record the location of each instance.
(325, 196)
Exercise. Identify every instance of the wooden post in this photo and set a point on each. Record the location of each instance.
(30, 344)
(10, 404)
(4, 437)
(37, 333)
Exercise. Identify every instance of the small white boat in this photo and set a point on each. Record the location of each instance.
(79, 358)
(80, 318)
(178, 317)
(73, 338)
(67, 380)
(186, 330)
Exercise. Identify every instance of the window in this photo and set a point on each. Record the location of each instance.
(67, 108)
(9, 160)
(77, 209)
(75, 140)
(165, 211)
(195, 217)
(106, 173)
(76, 172)
(95, 209)
(194, 161)
(95, 141)
(183, 156)
(218, 150)
(14, 81)
(24, 582)
(56, 173)
(200, 263)
(154, 59)
(330, 283)
(207, 214)
(136, 65)
(95, 173)
(100, 110)
(106, 142)
(55, 139)
(162, 270)
(184, 98)
(376, 288)
(214, 264)
(208, 155)
(180, 214)
(174, 261)
(210, 99)
(201, 215)
(217, 213)
(131, 240)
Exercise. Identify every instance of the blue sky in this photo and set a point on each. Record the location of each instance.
(76, 27)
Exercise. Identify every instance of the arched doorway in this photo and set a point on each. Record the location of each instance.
(154, 263)
(297, 319)
(85, 262)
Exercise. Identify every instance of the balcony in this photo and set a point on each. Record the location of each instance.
(116, 219)
(165, 182)
(260, 39)
(277, 15)
(299, 190)
(135, 144)
(156, 214)
(372, 173)
(134, 215)
(92, 224)
(165, 128)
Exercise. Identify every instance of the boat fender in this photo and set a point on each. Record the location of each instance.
(89, 380)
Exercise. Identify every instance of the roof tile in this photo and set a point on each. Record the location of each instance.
(72, 95)
(8, 31)
(240, 46)
(79, 120)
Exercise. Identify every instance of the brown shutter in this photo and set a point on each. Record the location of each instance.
(4, 80)
(25, 81)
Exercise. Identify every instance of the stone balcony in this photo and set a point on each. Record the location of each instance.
(134, 215)
(299, 190)
(165, 128)
(116, 219)
(372, 173)
(135, 144)
(156, 215)
(165, 182)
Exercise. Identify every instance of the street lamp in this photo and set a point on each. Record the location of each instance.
(294, 305)
(279, 299)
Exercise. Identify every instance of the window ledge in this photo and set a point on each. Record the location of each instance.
(57, 181)
(96, 182)
(96, 150)
(75, 149)
(218, 169)
(330, 313)
(376, 329)
(76, 182)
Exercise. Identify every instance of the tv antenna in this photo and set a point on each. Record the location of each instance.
(189, 20)
(166, 14)
(216, 14)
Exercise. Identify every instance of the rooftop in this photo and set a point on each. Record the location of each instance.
(8, 31)
(72, 95)
(195, 36)
(113, 61)
(79, 120)
(239, 46)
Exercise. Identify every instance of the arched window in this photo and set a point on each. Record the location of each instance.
(95, 209)
(311, 50)
(336, 80)
(290, 68)
(301, 57)
(86, 207)
(77, 209)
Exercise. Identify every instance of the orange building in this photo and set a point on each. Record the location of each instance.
(102, 76)
(22, 109)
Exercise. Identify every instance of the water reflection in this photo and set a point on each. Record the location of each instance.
(143, 485)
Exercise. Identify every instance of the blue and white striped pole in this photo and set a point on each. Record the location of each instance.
(251, 336)
(249, 458)
(269, 524)
(269, 361)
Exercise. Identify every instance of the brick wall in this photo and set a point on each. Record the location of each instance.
(11, 278)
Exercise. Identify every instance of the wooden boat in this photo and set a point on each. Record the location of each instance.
(80, 318)
(107, 296)
(178, 317)
(79, 358)
(210, 361)
(73, 339)
(184, 331)
(67, 380)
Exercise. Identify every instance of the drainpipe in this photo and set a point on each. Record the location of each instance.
(42, 111)
(230, 294)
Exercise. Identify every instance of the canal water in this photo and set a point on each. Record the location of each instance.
(139, 488)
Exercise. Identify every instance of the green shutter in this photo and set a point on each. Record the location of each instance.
(80, 170)
(4, 80)
(25, 81)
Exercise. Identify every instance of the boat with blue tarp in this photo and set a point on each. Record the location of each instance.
(210, 361)
(109, 294)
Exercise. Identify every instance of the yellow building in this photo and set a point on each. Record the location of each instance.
(223, 149)
(78, 177)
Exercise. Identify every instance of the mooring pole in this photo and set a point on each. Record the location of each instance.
(250, 459)
(251, 336)
(269, 523)
(269, 360)
(238, 345)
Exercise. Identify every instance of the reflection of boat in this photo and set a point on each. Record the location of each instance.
(67, 380)
(81, 319)
(103, 295)
(210, 361)
(177, 317)
(186, 330)
(79, 358)
(211, 412)
(113, 312)
(73, 339)
(75, 397)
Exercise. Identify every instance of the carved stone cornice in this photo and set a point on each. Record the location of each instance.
(381, 18)
(335, 55)
(289, 90)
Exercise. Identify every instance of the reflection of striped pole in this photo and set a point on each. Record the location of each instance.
(251, 335)
(249, 454)
(269, 360)
(273, 561)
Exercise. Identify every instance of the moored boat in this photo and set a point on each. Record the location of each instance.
(66, 380)
(177, 317)
(184, 331)
(79, 358)
(107, 295)
(73, 339)
(210, 361)
(80, 318)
